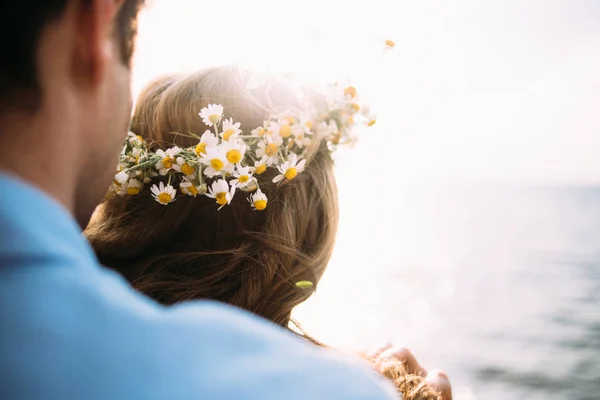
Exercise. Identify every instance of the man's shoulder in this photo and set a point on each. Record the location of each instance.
(76, 335)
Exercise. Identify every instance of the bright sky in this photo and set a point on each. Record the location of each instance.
(494, 90)
(475, 90)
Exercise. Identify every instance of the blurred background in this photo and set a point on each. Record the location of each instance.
(470, 213)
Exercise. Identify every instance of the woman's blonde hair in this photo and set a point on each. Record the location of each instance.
(189, 250)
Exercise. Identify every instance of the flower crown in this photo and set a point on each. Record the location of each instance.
(226, 159)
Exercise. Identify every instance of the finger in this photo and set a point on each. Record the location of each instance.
(440, 382)
(377, 352)
(403, 355)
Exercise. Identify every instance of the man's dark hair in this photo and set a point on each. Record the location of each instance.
(22, 24)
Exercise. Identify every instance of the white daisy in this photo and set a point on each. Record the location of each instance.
(134, 187)
(350, 92)
(269, 148)
(289, 169)
(135, 140)
(208, 139)
(212, 114)
(190, 189)
(163, 194)
(353, 108)
(323, 130)
(251, 186)
(260, 166)
(341, 95)
(221, 192)
(389, 44)
(307, 122)
(302, 140)
(215, 160)
(121, 177)
(288, 119)
(165, 164)
(301, 133)
(335, 135)
(242, 175)
(120, 188)
(258, 200)
(184, 167)
(370, 116)
(230, 130)
(281, 128)
(301, 129)
(261, 131)
(234, 151)
(135, 155)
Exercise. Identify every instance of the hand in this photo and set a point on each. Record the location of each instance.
(437, 379)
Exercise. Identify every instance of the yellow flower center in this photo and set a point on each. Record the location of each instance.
(390, 43)
(168, 162)
(216, 164)
(262, 132)
(336, 138)
(260, 169)
(291, 120)
(243, 178)
(164, 198)
(350, 91)
(234, 156)
(309, 124)
(141, 139)
(227, 134)
(372, 122)
(221, 198)
(285, 131)
(260, 204)
(214, 118)
(188, 169)
(201, 149)
(356, 107)
(291, 173)
(271, 149)
(192, 189)
(132, 191)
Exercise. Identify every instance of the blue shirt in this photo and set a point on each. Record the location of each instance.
(71, 329)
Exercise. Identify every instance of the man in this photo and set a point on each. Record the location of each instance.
(69, 328)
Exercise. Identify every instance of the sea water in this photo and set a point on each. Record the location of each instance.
(499, 286)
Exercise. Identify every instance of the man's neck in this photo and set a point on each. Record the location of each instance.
(34, 148)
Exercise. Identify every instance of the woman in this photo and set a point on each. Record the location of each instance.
(237, 204)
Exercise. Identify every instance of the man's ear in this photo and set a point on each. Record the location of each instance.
(95, 41)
